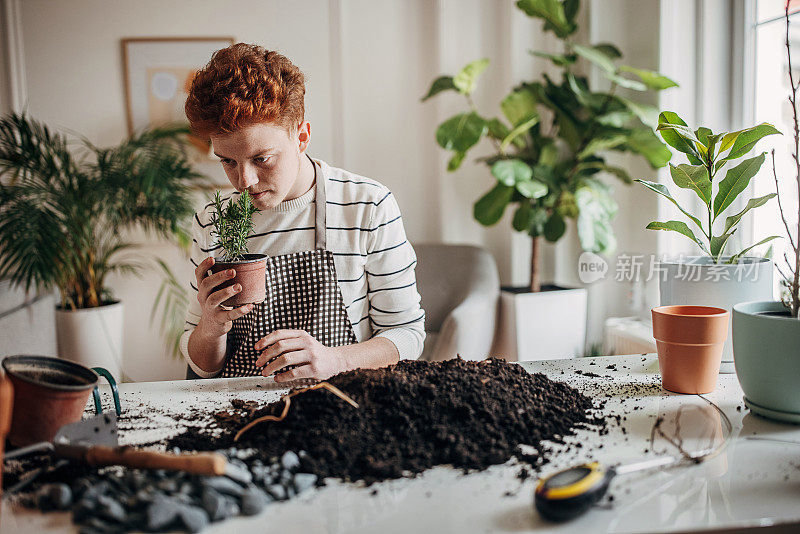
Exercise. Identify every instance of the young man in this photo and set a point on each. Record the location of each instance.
(341, 290)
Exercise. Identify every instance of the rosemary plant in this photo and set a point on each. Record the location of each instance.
(232, 224)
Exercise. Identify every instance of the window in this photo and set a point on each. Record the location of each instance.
(771, 89)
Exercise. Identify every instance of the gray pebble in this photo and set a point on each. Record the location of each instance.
(111, 508)
(290, 460)
(194, 518)
(168, 485)
(304, 481)
(277, 492)
(223, 485)
(253, 501)
(54, 497)
(213, 503)
(160, 513)
(237, 470)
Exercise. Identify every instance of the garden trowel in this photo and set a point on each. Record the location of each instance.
(94, 441)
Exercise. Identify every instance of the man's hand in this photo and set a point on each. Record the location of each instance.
(216, 321)
(298, 347)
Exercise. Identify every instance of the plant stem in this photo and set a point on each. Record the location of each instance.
(709, 168)
(795, 284)
(535, 285)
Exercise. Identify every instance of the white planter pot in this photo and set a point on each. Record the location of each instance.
(548, 325)
(698, 281)
(92, 337)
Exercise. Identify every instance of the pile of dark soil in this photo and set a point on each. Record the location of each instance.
(411, 416)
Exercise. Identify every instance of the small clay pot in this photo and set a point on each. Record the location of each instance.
(689, 340)
(250, 273)
(48, 394)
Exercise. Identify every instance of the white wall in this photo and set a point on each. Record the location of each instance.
(367, 64)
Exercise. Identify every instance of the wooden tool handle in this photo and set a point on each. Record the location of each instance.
(204, 463)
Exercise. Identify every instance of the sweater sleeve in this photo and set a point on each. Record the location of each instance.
(196, 255)
(394, 302)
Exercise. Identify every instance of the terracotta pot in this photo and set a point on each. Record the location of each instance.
(250, 273)
(689, 340)
(48, 394)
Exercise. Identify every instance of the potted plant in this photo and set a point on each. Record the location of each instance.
(63, 214)
(548, 161)
(766, 334)
(721, 277)
(231, 224)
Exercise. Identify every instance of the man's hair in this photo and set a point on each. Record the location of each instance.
(243, 85)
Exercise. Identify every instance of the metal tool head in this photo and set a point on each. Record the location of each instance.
(97, 430)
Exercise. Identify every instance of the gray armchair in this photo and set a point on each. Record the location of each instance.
(460, 287)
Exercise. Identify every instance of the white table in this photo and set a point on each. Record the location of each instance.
(755, 482)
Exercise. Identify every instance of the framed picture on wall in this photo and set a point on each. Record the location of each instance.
(157, 72)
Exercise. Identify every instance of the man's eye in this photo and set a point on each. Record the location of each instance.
(225, 161)
(262, 159)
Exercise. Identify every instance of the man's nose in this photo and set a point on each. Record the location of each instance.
(248, 177)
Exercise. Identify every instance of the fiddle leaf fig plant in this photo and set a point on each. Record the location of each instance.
(708, 153)
(232, 223)
(552, 135)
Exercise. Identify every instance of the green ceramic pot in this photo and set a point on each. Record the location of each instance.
(767, 356)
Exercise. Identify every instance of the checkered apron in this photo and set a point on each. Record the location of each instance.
(302, 294)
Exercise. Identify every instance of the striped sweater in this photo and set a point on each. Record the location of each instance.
(374, 260)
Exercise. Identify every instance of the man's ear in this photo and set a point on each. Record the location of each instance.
(303, 136)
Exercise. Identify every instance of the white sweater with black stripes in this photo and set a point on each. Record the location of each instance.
(374, 260)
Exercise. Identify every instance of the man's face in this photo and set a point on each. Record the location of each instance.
(263, 159)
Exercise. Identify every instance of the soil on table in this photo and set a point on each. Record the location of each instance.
(411, 416)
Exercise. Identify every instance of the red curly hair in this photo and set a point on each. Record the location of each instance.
(242, 85)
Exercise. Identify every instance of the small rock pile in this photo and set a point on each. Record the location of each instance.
(116, 500)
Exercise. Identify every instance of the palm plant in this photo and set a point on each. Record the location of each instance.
(63, 212)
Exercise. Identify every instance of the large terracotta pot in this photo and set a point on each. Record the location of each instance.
(250, 273)
(689, 340)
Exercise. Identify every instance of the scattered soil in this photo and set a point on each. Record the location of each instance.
(411, 416)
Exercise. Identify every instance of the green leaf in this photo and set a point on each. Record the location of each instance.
(646, 113)
(562, 60)
(467, 78)
(681, 228)
(694, 177)
(490, 207)
(651, 79)
(595, 56)
(455, 161)
(523, 217)
(552, 12)
(733, 220)
(619, 172)
(539, 219)
(662, 190)
(609, 50)
(555, 227)
(615, 119)
(571, 8)
(602, 143)
(625, 82)
(718, 245)
(531, 189)
(735, 258)
(745, 140)
(497, 129)
(647, 144)
(516, 132)
(596, 212)
(674, 138)
(442, 83)
(510, 171)
(736, 180)
(462, 132)
(519, 106)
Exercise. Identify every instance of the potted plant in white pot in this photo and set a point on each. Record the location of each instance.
(766, 334)
(548, 161)
(62, 218)
(720, 277)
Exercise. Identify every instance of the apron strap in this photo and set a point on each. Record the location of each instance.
(320, 223)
